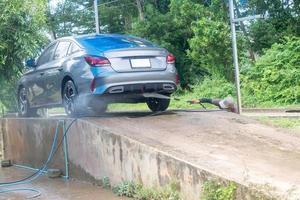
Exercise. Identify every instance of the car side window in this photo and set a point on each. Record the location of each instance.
(61, 50)
(73, 48)
(47, 55)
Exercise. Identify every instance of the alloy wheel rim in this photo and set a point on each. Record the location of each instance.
(154, 101)
(23, 101)
(69, 96)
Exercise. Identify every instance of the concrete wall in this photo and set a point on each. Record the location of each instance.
(28, 141)
(95, 152)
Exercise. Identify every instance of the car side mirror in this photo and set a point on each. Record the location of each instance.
(31, 63)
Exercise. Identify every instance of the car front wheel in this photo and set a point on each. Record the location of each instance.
(157, 104)
(24, 107)
(69, 98)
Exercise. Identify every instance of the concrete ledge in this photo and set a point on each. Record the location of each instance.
(100, 148)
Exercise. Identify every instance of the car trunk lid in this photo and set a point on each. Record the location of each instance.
(137, 59)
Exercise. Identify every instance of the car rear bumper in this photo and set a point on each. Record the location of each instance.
(165, 87)
(112, 82)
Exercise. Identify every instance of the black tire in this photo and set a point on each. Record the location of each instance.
(69, 98)
(42, 112)
(99, 109)
(24, 106)
(97, 106)
(157, 105)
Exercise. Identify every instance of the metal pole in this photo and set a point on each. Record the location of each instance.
(235, 57)
(96, 16)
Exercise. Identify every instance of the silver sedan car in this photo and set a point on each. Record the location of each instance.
(89, 72)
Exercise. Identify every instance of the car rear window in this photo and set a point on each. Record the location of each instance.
(113, 42)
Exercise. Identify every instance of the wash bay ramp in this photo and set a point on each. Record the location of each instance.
(190, 147)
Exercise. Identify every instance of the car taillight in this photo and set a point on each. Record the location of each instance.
(97, 61)
(170, 58)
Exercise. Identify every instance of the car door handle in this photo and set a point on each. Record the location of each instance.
(42, 73)
(60, 69)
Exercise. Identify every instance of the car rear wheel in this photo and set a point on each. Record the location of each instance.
(24, 107)
(69, 98)
(156, 104)
(99, 109)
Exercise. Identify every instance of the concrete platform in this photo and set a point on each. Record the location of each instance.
(52, 189)
(192, 147)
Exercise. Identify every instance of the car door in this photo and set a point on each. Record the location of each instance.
(53, 74)
(36, 82)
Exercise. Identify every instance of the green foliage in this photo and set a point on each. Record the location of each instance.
(262, 38)
(139, 192)
(210, 87)
(72, 17)
(289, 123)
(22, 26)
(126, 189)
(210, 48)
(214, 87)
(105, 182)
(283, 21)
(217, 191)
(167, 193)
(191, 30)
(77, 17)
(276, 75)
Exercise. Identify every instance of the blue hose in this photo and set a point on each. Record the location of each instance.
(42, 169)
(39, 171)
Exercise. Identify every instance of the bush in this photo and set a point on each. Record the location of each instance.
(214, 87)
(275, 77)
(126, 189)
(196, 33)
(210, 87)
(216, 191)
(139, 192)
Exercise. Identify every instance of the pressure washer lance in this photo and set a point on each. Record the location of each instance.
(224, 104)
(159, 96)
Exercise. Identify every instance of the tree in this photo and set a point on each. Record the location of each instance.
(210, 48)
(22, 28)
(276, 75)
(197, 33)
(283, 20)
(72, 17)
(172, 30)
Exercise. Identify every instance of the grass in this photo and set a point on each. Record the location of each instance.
(213, 190)
(175, 104)
(140, 192)
(289, 123)
(57, 110)
(178, 101)
(143, 106)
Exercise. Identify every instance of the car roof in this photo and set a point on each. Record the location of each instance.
(91, 36)
(89, 42)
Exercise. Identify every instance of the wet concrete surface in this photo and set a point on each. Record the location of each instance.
(52, 189)
(231, 146)
(224, 144)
